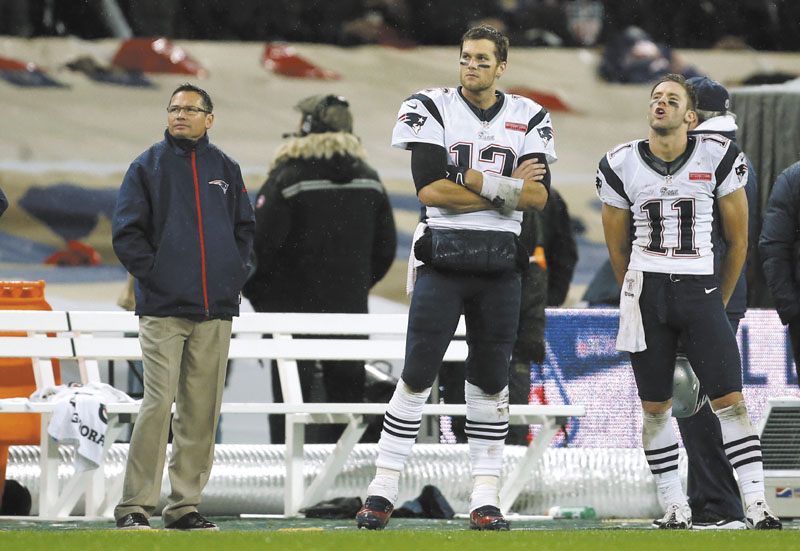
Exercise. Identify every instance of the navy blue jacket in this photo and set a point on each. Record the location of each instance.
(183, 227)
(737, 305)
(780, 242)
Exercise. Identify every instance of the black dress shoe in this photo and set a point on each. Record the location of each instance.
(133, 521)
(192, 521)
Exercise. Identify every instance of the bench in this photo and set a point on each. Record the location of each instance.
(88, 336)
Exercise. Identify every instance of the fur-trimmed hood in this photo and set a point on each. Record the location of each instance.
(316, 146)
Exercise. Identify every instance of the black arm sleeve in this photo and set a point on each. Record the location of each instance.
(428, 164)
(541, 158)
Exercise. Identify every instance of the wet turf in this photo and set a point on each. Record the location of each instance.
(278, 524)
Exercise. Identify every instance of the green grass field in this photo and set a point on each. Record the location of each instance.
(405, 535)
(405, 540)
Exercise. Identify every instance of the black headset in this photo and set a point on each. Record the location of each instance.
(313, 122)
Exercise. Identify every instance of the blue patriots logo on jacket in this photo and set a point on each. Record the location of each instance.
(221, 183)
(414, 120)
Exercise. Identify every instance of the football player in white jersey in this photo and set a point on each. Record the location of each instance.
(664, 190)
(478, 158)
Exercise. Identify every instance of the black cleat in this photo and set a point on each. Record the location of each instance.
(760, 517)
(375, 513)
(488, 517)
(676, 517)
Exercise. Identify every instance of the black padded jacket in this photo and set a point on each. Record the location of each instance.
(325, 233)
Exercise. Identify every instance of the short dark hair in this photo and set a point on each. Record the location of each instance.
(691, 93)
(489, 33)
(187, 87)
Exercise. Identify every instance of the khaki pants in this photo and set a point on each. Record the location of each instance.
(183, 361)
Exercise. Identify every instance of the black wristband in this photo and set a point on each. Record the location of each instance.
(457, 174)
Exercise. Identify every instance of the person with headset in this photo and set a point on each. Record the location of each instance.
(325, 235)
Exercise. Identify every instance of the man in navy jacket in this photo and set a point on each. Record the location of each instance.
(778, 245)
(183, 227)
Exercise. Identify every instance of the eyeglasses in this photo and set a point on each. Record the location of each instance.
(189, 109)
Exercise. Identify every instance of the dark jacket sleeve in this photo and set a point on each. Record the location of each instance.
(530, 345)
(3, 202)
(561, 249)
(245, 223)
(273, 221)
(751, 190)
(778, 243)
(131, 225)
(385, 245)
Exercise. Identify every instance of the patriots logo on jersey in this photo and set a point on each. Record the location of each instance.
(598, 183)
(414, 120)
(741, 171)
(546, 134)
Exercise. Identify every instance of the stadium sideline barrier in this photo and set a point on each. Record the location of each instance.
(88, 336)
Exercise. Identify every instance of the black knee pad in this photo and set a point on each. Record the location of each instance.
(415, 386)
(487, 365)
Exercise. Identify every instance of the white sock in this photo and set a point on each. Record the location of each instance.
(486, 429)
(484, 492)
(400, 426)
(661, 451)
(385, 484)
(743, 448)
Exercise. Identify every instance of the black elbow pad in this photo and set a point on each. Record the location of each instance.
(428, 164)
(540, 158)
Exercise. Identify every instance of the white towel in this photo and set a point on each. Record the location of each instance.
(413, 263)
(80, 418)
(631, 332)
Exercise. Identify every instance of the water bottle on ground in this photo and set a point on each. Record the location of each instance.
(573, 512)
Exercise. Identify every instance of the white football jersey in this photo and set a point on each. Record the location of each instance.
(442, 116)
(672, 204)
